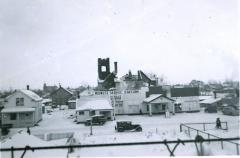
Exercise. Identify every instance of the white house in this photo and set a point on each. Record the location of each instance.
(87, 107)
(22, 109)
(157, 103)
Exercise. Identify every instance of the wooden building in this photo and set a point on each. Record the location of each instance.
(61, 96)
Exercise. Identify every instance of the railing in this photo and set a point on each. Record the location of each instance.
(188, 131)
(71, 147)
(209, 123)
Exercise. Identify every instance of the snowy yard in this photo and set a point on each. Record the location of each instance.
(155, 128)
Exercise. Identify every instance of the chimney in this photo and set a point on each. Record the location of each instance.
(27, 87)
(115, 67)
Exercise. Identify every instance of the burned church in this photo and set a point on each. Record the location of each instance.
(105, 76)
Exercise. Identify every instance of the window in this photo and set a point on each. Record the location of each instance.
(19, 101)
(104, 69)
(81, 112)
(163, 106)
(13, 116)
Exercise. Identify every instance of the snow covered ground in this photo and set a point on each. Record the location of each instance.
(155, 128)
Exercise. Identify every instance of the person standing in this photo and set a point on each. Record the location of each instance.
(28, 130)
(218, 123)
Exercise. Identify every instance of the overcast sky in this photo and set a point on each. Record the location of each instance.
(59, 41)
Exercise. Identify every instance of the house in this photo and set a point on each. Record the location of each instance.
(87, 107)
(61, 96)
(186, 99)
(158, 103)
(211, 104)
(49, 89)
(22, 109)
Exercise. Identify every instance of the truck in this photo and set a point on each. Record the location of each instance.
(96, 120)
(122, 126)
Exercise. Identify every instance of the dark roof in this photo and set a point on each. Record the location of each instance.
(184, 92)
(61, 88)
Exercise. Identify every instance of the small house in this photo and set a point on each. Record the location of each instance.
(22, 109)
(85, 108)
(158, 103)
(211, 105)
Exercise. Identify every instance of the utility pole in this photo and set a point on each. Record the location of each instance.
(91, 133)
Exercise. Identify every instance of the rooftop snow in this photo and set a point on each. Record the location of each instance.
(205, 97)
(31, 94)
(210, 101)
(152, 97)
(46, 100)
(21, 139)
(96, 104)
(17, 109)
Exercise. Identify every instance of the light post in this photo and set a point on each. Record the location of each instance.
(91, 128)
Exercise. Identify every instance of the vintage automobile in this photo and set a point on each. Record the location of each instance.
(96, 120)
(231, 110)
(122, 126)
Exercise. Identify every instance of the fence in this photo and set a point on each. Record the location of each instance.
(205, 125)
(71, 147)
(193, 132)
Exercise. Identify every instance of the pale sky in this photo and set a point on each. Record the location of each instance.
(59, 41)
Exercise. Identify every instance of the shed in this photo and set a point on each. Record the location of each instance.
(211, 104)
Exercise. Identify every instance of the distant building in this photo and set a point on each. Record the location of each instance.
(22, 109)
(61, 96)
(49, 89)
(186, 99)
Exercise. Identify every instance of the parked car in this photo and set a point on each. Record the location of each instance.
(122, 126)
(96, 120)
(231, 110)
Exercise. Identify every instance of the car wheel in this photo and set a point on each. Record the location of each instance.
(120, 129)
(139, 129)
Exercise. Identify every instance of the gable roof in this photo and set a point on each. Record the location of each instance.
(28, 93)
(184, 92)
(62, 89)
(153, 97)
(31, 94)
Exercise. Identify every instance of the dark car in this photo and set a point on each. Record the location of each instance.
(231, 110)
(122, 126)
(96, 120)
